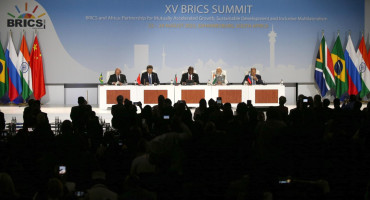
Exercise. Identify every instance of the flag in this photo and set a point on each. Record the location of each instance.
(214, 79)
(337, 56)
(15, 84)
(352, 66)
(364, 67)
(23, 65)
(3, 73)
(101, 78)
(175, 78)
(138, 80)
(249, 79)
(324, 70)
(37, 70)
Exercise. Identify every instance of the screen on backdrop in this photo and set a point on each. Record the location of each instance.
(80, 40)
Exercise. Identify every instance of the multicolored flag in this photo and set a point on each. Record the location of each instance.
(101, 78)
(249, 79)
(15, 83)
(37, 70)
(214, 79)
(175, 78)
(24, 66)
(352, 65)
(4, 85)
(324, 70)
(364, 67)
(337, 55)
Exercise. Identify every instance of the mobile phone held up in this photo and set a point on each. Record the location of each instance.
(62, 169)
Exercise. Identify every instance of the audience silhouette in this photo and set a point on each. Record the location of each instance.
(311, 152)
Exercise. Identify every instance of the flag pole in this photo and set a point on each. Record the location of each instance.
(338, 33)
(322, 32)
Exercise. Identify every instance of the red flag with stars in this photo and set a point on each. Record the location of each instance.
(38, 82)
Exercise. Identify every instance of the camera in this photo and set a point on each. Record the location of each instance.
(219, 100)
(136, 103)
(166, 117)
(62, 170)
(305, 100)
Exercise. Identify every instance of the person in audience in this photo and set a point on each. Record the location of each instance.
(117, 112)
(336, 103)
(218, 77)
(99, 190)
(7, 188)
(252, 78)
(2, 121)
(199, 111)
(79, 114)
(190, 76)
(149, 77)
(282, 109)
(27, 114)
(117, 78)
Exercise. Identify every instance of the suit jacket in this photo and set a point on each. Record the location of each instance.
(220, 78)
(79, 115)
(194, 77)
(145, 78)
(113, 78)
(258, 82)
(117, 111)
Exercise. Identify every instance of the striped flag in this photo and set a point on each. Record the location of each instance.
(15, 83)
(352, 65)
(364, 67)
(324, 70)
(340, 74)
(4, 85)
(24, 66)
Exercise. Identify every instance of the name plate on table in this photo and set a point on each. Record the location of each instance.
(112, 95)
(151, 96)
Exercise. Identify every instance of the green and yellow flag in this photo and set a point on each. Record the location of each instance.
(341, 80)
(4, 84)
(101, 78)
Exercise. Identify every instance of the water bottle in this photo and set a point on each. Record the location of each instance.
(281, 82)
(171, 82)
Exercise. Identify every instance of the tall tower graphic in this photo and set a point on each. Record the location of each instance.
(272, 35)
(163, 58)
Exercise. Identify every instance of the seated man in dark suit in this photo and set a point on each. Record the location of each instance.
(149, 77)
(253, 78)
(190, 76)
(117, 78)
(79, 114)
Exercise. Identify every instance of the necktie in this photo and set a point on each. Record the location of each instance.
(189, 77)
(150, 79)
(118, 78)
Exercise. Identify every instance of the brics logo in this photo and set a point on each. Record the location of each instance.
(26, 19)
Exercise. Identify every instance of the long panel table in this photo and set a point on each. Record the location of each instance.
(260, 95)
